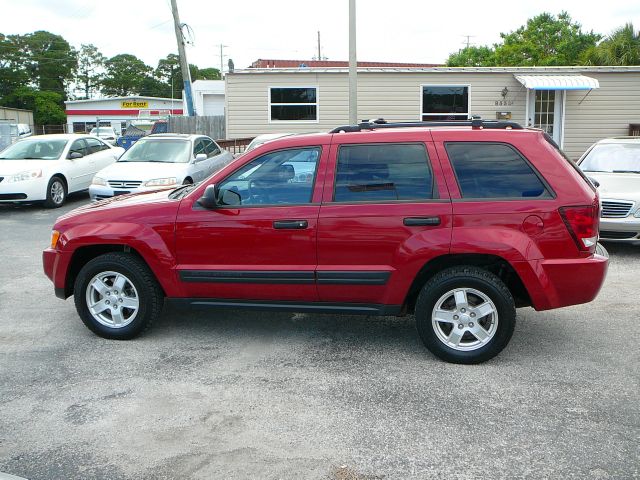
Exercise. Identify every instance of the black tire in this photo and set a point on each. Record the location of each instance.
(53, 201)
(481, 281)
(149, 294)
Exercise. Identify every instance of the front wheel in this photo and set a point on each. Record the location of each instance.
(117, 296)
(465, 315)
(56, 193)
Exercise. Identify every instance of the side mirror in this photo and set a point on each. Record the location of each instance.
(200, 157)
(230, 197)
(75, 155)
(208, 198)
(595, 182)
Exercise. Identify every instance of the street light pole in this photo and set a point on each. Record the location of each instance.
(353, 65)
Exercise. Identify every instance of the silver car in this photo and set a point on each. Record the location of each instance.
(614, 163)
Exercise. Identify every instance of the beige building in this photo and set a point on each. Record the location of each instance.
(576, 105)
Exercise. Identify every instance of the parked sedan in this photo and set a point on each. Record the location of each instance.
(615, 164)
(162, 160)
(107, 134)
(48, 167)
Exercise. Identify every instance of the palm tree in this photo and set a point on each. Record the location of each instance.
(622, 47)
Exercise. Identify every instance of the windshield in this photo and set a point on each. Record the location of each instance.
(613, 157)
(164, 151)
(102, 130)
(34, 149)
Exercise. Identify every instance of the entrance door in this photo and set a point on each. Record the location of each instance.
(546, 111)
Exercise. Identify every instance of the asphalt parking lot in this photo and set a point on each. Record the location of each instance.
(240, 395)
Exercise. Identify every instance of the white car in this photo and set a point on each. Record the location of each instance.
(108, 134)
(162, 160)
(48, 167)
(267, 137)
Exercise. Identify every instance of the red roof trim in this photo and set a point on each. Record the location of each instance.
(127, 112)
(270, 63)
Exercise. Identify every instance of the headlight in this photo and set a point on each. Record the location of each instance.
(22, 176)
(161, 182)
(99, 181)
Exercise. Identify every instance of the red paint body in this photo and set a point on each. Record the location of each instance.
(175, 236)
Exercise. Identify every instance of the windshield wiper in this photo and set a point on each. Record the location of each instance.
(181, 191)
(625, 171)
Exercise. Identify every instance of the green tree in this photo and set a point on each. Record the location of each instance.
(209, 74)
(152, 87)
(125, 75)
(12, 69)
(49, 60)
(46, 105)
(90, 70)
(622, 47)
(545, 40)
(472, 57)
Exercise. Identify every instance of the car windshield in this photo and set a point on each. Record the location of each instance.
(613, 157)
(156, 150)
(34, 149)
(102, 130)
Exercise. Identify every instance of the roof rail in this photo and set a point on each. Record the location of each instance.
(475, 122)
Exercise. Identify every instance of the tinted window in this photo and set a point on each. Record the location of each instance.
(78, 146)
(94, 145)
(486, 170)
(282, 177)
(210, 148)
(383, 172)
(198, 147)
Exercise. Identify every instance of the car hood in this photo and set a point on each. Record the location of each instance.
(142, 171)
(620, 186)
(9, 167)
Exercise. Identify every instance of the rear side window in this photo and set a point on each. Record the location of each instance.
(494, 170)
(383, 172)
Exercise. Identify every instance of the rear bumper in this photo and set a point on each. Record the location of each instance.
(562, 282)
(55, 266)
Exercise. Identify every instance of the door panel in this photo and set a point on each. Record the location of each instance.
(82, 169)
(253, 251)
(369, 252)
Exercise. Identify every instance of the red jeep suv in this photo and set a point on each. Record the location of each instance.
(459, 223)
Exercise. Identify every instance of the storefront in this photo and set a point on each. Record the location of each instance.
(116, 112)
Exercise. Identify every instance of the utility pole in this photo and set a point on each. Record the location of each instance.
(468, 42)
(319, 54)
(353, 66)
(222, 55)
(184, 65)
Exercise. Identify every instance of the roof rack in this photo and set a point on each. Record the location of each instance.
(475, 122)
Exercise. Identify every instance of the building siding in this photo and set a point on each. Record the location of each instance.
(396, 96)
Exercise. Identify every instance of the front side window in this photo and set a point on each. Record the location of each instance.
(277, 178)
(383, 172)
(493, 170)
(293, 104)
(445, 102)
(79, 146)
(210, 147)
(94, 145)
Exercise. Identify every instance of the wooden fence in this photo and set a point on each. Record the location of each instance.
(213, 127)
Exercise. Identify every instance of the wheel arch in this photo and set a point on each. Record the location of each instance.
(492, 263)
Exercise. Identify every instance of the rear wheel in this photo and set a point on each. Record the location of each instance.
(56, 193)
(465, 315)
(117, 296)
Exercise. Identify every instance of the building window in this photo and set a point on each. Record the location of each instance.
(445, 102)
(293, 104)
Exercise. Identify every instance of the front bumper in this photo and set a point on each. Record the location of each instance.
(620, 229)
(26, 191)
(557, 283)
(56, 264)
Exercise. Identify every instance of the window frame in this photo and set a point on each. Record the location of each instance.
(551, 191)
(421, 114)
(316, 104)
(435, 194)
(320, 149)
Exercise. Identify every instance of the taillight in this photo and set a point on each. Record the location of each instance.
(583, 223)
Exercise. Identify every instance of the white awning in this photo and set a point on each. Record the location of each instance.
(558, 82)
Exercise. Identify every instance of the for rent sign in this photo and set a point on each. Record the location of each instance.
(134, 104)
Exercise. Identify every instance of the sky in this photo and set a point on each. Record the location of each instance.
(388, 30)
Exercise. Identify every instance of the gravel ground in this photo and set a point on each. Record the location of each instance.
(240, 395)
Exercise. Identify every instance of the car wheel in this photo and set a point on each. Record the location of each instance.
(56, 193)
(465, 315)
(117, 296)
